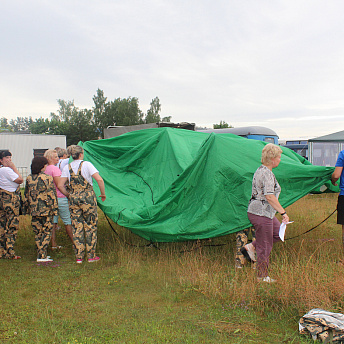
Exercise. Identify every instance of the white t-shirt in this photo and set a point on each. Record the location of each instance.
(87, 170)
(62, 163)
(7, 177)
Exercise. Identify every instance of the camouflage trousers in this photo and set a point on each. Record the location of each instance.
(42, 227)
(241, 241)
(84, 216)
(9, 222)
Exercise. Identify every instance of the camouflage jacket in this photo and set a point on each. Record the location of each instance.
(323, 325)
(40, 195)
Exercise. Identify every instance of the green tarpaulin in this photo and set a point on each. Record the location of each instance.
(169, 185)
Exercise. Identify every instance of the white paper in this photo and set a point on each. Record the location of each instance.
(282, 229)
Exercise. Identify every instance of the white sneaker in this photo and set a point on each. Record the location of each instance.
(266, 279)
(39, 260)
(251, 252)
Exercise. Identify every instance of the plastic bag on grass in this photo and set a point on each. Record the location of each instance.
(323, 325)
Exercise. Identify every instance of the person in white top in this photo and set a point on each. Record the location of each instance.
(82, 202)
(10, 180)
(63, 157)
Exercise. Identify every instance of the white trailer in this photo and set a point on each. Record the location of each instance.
(25, 146)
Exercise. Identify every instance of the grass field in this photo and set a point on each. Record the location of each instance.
(178, 293)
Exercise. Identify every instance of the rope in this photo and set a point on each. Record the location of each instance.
(151, 244)
(296, 236)
(120, 239)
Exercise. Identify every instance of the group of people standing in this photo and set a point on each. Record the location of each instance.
(54, 187)
(59, 187)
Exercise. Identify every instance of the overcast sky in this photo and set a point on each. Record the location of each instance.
(278, 64)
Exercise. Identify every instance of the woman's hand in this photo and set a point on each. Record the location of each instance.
(285, 218)
(9, 163)
(102, 197)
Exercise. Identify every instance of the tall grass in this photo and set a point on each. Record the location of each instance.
(173, 292)
(307, 268)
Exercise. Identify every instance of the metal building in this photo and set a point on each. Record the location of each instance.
(324, 150)
(25, 146)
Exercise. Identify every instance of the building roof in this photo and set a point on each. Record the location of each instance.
(252, 130)
(338, 136)
(26, 133)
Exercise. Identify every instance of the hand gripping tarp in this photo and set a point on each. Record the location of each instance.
(169, 185)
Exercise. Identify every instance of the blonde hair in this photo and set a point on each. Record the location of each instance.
(75, 151)
(270, 151)
(49, 154)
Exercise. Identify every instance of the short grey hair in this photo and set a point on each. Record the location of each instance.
(270, 151)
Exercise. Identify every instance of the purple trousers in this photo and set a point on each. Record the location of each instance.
(267, 233)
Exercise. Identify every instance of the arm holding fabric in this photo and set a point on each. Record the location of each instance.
(336, 175)
(101, 185)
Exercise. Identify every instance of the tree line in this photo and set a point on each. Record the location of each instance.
(87, 124)
(222, 125)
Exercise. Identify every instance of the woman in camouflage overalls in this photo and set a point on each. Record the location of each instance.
(82, 202)
(40, 202)
(10, 180)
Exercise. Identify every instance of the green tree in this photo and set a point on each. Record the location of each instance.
(222, 124)
(128, 111)
(166, 119)
(66, 109)
(4, 125)
(21, 123)
(81, 127)
(77, 125)
(100, 112)
(153, 112)
(56, 126)
(40, 126)
(124, 111)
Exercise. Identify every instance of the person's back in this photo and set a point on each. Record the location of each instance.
(339, 173)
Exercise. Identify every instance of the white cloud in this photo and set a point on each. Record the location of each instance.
(277, 64)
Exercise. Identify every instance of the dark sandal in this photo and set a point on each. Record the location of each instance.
(15, 257)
